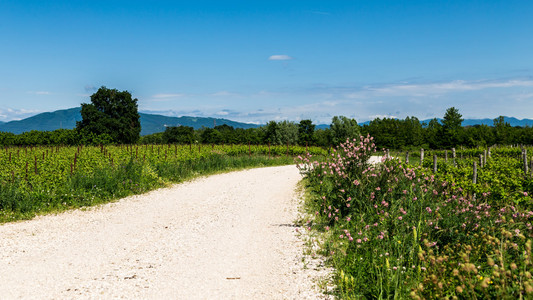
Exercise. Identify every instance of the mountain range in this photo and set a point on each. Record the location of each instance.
(152, 123)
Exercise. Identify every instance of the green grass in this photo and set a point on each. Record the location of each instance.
(108, 183)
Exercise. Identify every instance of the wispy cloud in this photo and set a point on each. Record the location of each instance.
(166, 97)
(39, 93)
(10, 114)
(280, 57)
(434, 89)
(320, 102)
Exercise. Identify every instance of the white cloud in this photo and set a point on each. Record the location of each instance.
(39, 93)
(222, 113)
(166, 97)
(10, 114)
(280, 57)
(427, 90)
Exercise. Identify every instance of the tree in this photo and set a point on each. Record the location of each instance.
(343, 128)
(452, 129)
(502, 131)
(178, 135)
(433, 133)
(113, 113)
(306, 130)
(280, 133)
(210, 136)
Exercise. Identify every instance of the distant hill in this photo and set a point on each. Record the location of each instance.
(150, 123)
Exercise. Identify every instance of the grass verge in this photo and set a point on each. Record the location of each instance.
(20, 202)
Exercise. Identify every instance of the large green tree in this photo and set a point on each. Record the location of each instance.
(306, 132)
(178, 135)
(343, 128)
(453, 132)
(111, 112)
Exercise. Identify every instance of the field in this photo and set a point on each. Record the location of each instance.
(35, 180)
(397, 230)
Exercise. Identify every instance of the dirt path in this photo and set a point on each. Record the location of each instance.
(227, 236)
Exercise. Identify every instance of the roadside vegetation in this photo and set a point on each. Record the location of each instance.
(36, 180)
(395, 231)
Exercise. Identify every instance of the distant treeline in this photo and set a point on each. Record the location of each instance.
(387, 132)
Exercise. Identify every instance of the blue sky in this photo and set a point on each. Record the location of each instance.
(256, 61)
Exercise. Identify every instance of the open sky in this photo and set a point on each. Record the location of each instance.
(256, 61)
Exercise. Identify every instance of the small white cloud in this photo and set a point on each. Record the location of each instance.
(166, 97)
(39, 92)
(222, 113)
(280, 57)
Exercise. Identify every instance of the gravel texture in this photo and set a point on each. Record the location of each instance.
(227, 236)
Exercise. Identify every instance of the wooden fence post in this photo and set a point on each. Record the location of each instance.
(421, 156)
(446, 156)
(407, 157)
(435, 163)
(453, 156)
(474, 176)
(525, 161)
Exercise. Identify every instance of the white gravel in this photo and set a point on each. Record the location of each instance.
(228, 236)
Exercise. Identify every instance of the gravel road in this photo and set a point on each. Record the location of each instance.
(227, 236)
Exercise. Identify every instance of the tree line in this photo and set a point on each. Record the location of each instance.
(112, 118)
(408, 133)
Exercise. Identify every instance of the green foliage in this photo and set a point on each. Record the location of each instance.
(279, 133)
(306, 130)
(343, 128)
(393, 231)
(178, 135)
(210, 136)
(36, 180)
(452, 130)
(113, 113)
